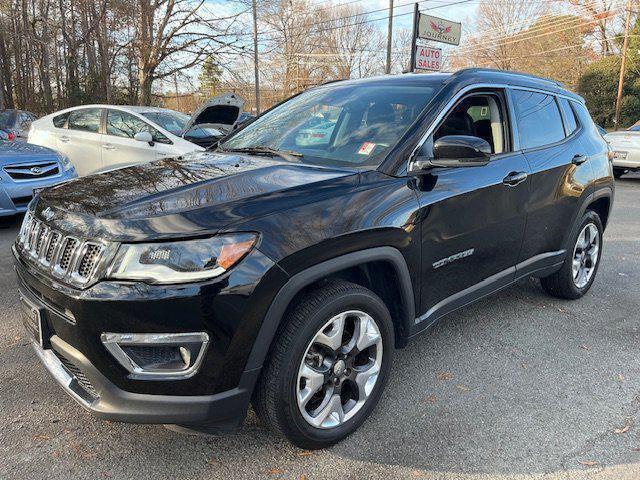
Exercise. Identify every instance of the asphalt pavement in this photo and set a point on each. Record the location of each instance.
(519, 386)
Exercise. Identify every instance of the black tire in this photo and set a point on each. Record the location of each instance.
(618, 172)
(561, 284)
(274, 398)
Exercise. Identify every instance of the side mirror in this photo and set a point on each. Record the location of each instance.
(455, 151)
(144, 137)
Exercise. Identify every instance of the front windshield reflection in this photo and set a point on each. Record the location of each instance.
(338, 125)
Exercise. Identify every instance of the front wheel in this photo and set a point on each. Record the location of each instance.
(328, 366)
(582, 259)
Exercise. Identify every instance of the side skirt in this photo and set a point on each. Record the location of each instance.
(538, 266)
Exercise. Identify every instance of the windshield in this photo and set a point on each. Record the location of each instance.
(635, 128)
(7, 118)
(174, 122)
(348, 125)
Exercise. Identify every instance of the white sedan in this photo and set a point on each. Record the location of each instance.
(626, 150)
(103, 137)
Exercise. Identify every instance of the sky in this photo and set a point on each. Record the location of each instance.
(403, 16)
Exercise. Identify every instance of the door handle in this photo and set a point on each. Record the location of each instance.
(515, 178)
(63, 139)
(579, 159)
(108, 146)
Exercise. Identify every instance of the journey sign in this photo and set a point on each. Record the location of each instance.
(439, 29)
(428, 58)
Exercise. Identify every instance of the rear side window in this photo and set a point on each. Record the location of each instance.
(86, 119)
(59, 121)
(539, 120)
(569, 116)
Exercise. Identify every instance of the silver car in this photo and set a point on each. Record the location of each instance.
(626, 150)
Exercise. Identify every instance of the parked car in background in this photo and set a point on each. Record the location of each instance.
(214, 119)
(103, 137)
(24, 170)
(626, 150)
(15, 124)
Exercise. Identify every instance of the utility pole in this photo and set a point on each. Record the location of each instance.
(623, 62)
(256, 70)
(389, 37)
(414, 38)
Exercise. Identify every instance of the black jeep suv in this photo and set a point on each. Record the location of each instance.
(285, 267)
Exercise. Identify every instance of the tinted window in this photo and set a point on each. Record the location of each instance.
(539, 121)
(86, 119)
(60, 120)
(569, 116)
(123, 124)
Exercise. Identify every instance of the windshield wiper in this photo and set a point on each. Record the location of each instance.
(289, 155)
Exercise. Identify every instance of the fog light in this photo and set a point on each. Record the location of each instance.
(157, 356)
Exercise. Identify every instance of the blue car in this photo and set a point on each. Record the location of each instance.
(24, 170)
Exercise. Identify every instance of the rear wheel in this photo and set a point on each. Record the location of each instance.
(582, 259)
(328, 367)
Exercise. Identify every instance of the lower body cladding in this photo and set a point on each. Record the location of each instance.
(151, 354)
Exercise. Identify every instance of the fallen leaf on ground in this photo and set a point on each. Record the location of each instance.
(444, 376)
(464, 388)
(211, 461)
(624, 429)
(588, 463)
(303, 477)
(584, 347)
(525, 366)
(417, 473)
(305, 453)
(620, 377)
(42, 437)
(276, 471)
(431, 399)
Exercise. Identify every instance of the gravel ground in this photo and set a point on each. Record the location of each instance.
(519, 386)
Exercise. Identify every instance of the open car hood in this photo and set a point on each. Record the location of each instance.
(221, 111)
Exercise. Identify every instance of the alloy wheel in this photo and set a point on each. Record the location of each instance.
(339, 369)
(585, 255)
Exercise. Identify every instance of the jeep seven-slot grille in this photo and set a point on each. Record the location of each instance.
(65, 257)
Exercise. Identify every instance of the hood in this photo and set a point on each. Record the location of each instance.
(221, 111)
(195, 194)
(22, 152)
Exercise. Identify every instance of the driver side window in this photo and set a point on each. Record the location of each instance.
(478, 115)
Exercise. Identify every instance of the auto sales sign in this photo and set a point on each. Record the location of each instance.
(439, 29)
(428, 58)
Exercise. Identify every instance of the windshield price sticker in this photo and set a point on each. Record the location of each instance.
(366, 148)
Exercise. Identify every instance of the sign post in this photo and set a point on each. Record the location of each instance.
(414, 37)
(428, 58)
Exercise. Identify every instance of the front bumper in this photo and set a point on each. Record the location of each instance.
(93, 391)
(229, 310)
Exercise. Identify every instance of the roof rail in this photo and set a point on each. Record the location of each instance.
(465, 71)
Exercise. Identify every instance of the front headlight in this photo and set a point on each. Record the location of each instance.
(183, 261)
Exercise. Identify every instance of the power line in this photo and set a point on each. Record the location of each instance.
(512, 40)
